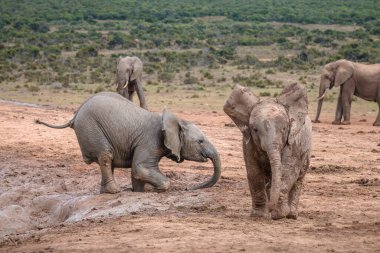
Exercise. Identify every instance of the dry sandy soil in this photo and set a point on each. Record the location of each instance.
(50, 201)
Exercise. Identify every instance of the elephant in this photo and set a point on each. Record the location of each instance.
(114, 132)
(276, 147)
(353, 78)
(128, 78)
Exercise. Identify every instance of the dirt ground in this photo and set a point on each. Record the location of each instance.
(50, 201)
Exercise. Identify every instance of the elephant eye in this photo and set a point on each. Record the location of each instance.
(255, 129)
(200, 141)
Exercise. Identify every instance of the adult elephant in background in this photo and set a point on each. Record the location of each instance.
(356, 79)
(128, 78)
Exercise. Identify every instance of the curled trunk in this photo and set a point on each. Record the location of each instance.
(275, 163)
(217, 171)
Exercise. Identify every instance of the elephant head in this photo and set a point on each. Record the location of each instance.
(128, 69)
(239, 106)
(276, 123)
(187, 142)
(333, 74)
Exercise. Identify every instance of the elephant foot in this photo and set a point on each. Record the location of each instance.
(164, 186)
(376, 124)
(316, 121)
(336, 122)
(110, 187)
(280, 213)
(292, 215)
(346, 122)
(259, 213)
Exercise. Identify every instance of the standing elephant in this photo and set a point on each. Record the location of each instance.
(353, 79)
(114, 132)
(276, 147)
(128, 77)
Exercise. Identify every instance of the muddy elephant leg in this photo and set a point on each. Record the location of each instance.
(137, 185)
(282, 209)
(339, 110)
(256, 181)
(108, 184)
(152, 176)
(290, 177)
(146, 170)
(294, 197)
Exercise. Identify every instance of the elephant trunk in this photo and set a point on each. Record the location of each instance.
(322, 93)
(122, 82)
(275, 163)
(214, 157)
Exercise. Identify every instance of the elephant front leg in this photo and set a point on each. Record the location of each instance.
(339, 110)
(294, 197)
(256, 183)
(346, 103)
(282, 209)
(140, 94)
(108, 183)
(146, 174)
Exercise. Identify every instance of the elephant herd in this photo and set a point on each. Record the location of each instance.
(115, 133)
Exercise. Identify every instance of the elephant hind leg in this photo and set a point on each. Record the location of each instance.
(108, 184)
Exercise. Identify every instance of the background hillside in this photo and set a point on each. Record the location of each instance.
(185, 45)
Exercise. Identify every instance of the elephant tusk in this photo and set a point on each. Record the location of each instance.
(125, 85)
(323, 95)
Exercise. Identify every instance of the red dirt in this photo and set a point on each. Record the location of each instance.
(50, 201)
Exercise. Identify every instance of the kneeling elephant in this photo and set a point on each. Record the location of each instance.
(114, 132)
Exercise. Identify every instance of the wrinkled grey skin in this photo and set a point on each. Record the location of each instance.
(353, 79)
(276, 147)
(128, 78)
(114, 132)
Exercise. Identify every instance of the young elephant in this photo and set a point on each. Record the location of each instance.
(114, 132)
(276, 147)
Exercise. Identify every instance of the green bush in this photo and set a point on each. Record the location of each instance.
(165, 76)
(87, 51)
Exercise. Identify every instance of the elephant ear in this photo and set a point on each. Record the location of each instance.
(294, 99)
(137, 68)
(171, 128)
(118, 60)
(343, 73)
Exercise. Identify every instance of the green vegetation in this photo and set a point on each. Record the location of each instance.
(77, 42)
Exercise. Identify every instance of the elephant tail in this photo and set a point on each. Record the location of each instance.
(68, 124)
